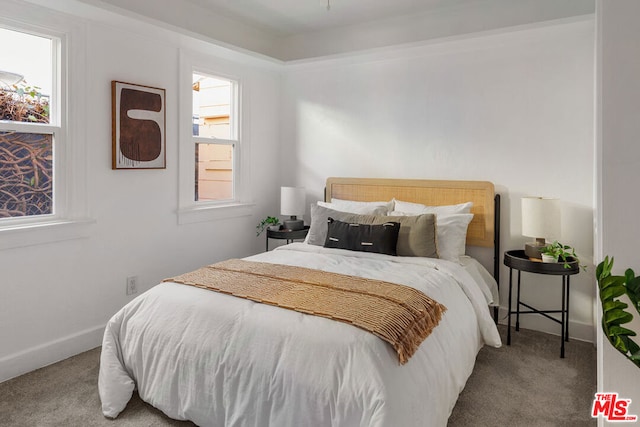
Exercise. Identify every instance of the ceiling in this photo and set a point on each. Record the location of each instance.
(292, 17)
(289, 30)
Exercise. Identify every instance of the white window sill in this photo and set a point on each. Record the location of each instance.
(213, 212)
(22, 235)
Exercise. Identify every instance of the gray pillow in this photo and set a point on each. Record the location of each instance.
(417, 236)
(319, 217)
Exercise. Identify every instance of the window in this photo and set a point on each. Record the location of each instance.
(29, 125)
(42, 154)
(214, 162)
(215, 134)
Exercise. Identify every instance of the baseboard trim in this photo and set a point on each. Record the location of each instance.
(45, 354)
(577, 330)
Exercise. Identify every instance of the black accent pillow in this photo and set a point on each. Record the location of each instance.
(379, 238)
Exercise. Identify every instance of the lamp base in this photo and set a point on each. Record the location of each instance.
(294, 224)
(532, 249)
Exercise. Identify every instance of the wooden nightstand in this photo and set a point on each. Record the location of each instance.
(517, 260)
(287, 235)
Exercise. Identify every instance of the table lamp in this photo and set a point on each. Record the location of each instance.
(540, 220)
(293, 204)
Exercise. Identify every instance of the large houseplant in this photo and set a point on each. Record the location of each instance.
(614, 313)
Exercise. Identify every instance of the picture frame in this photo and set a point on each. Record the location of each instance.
(138, 126)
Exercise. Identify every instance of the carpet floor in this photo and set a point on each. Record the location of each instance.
(525, 384)
(528, 384)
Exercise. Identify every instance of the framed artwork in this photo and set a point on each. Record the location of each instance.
(138, 126)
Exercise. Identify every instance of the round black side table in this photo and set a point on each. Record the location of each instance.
(517, 260)
(287, 235)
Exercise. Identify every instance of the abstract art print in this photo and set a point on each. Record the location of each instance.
(138, 121)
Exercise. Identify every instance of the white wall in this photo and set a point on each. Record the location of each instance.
(514, 108)
(56, 298)
(618, 172)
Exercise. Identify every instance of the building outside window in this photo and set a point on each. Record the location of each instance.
(215, 134)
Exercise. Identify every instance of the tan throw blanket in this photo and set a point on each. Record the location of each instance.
(400, 315)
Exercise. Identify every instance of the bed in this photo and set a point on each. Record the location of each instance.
(219, 360)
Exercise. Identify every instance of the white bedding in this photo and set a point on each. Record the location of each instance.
(219, 360)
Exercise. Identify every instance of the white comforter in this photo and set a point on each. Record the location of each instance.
(224, 361)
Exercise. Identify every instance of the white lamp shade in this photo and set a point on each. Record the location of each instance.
(541, 217)
(292, 201)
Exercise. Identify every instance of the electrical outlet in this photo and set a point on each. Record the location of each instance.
(132, 285)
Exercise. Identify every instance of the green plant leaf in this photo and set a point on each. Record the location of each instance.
(612, 292)
(633, 289)
(634, 349)
(611, 281)
(619, 330)
(633, 282)
(613, 304)
(613, 310)
(619, 344)
(604, 268)
(617, 317)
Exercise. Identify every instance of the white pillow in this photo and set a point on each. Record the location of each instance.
(451, 232)
(418, 208)
(452, 235)
(362, 208)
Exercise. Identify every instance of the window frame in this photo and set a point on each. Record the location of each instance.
(69, 219)
(190, 210)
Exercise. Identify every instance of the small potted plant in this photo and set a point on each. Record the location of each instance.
(556, 251)
(270, 222)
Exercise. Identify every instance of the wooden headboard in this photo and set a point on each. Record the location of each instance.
(481, 231)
